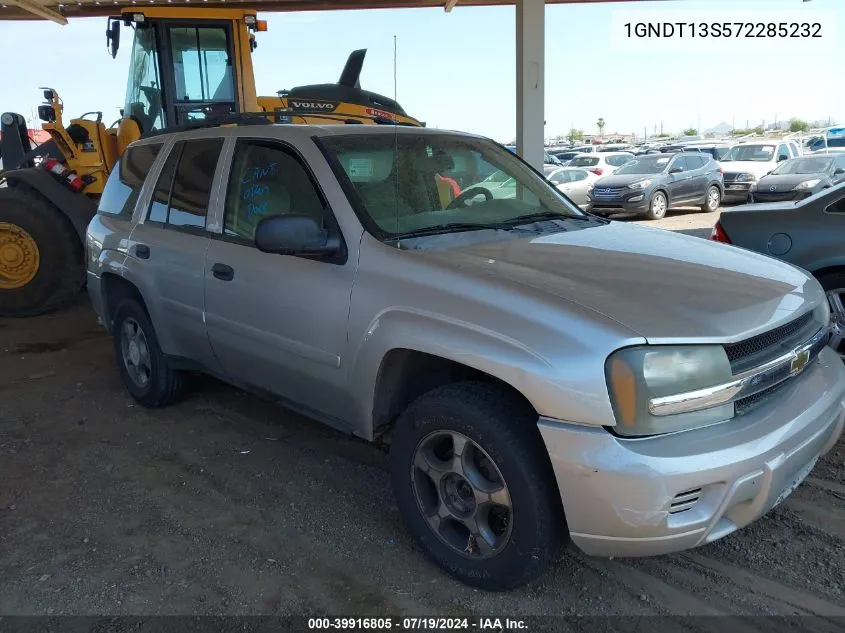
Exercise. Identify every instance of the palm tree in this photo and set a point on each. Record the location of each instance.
(600, 126)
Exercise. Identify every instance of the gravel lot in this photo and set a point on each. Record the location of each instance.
(225, 504)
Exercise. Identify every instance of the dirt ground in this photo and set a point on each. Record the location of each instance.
(225, 504)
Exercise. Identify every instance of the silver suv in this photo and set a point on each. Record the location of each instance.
(538, 373)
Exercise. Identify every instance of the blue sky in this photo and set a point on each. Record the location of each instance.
(457, 70)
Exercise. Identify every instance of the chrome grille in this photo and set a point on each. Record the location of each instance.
(753, 350)
(746, 405)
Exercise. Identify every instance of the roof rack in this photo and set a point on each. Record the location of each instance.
(280, 115)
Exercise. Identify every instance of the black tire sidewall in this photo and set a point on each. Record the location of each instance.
(55, 252)
(157, 385)
(533, 519)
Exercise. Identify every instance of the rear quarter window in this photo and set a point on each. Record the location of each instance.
(124, 184)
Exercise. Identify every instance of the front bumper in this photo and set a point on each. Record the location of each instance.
(643, 497)
(780, 196)
(736, 191)
(631, 201)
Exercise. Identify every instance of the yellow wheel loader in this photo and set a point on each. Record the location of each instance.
(188, 67)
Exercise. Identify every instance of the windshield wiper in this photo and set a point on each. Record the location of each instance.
(546, 215)
(456, 227)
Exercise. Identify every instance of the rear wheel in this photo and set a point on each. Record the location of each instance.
(712, 200)
(143, 366)
(474, 484)
(657, 206)
(41, 267)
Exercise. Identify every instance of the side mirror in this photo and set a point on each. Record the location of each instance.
(782, 158)
(675, 170)
(294, 235)
(113, 37)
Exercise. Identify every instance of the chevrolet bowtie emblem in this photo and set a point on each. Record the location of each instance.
(799, 362)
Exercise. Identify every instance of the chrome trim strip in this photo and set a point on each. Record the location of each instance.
(745, 384)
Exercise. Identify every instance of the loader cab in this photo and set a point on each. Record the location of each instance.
(183, 70)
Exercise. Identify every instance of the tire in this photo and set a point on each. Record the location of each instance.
(657, 206)
(26, 218)
(712, 199)
(499, 427)
(835, 283)
(163, 385)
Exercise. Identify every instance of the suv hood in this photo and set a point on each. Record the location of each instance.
(747, 166)
(663, 286)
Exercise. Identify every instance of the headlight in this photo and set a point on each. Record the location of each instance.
(746, 178)
(589, 186)
(636, 375)
(808, 184)
(641, 184)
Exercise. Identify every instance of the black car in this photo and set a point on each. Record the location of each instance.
(650, 185)
(799, 178)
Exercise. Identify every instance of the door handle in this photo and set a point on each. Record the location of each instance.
(223, 272)
(142, 251)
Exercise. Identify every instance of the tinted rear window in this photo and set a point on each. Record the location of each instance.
(192, 183)
(124, 185)
(584, 161)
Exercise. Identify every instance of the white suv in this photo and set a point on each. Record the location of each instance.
(601, 163)
(747, 162)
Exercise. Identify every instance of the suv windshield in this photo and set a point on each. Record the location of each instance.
(759, 153)
(804, 166)
(429, 183)
(644, 165)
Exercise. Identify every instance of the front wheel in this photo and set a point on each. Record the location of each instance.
(657, 207)
(475, 487)
(712, 200)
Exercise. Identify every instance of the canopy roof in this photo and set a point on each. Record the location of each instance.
(60, 11)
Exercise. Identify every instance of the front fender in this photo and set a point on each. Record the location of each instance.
(531, 373)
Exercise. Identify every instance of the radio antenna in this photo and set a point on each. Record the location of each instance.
(396, 142)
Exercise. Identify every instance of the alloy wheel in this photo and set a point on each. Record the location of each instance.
(713, 199)
(135, 352)
(658, 205)
(462, 494)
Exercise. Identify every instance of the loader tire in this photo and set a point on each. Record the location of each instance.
(41, 260)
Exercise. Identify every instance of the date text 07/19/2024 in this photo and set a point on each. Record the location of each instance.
(489, 624)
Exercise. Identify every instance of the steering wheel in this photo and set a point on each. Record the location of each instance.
(468, 194)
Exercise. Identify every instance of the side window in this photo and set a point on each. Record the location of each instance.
(783, 152)
(575, 176)
(694, 161)
(560, 177)
(267, 180)
(192, 183)
(680, 162)
(161, 195)
(124, 185)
